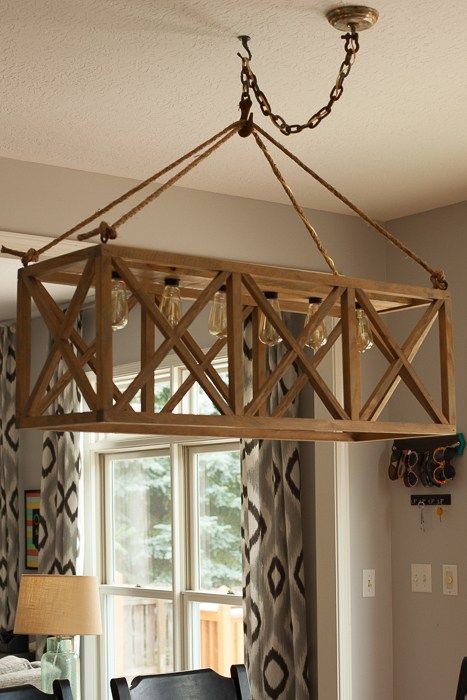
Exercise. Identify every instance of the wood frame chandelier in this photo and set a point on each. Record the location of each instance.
(251, 293)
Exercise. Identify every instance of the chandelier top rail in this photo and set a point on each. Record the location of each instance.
(151, 267)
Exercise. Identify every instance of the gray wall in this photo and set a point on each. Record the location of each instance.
(430, 636)
(46, 200)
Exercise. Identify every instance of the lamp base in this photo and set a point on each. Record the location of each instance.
(60, 662)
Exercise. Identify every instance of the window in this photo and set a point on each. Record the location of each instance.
(163, 524)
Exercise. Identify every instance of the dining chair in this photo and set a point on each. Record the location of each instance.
(462, 683)
(61, 691)
(203, 684)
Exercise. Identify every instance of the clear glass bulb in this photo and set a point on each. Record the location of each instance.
(119, 303)
(217, 323)
(364, 334)
(267, 333)
(171, 303)
(319, 336)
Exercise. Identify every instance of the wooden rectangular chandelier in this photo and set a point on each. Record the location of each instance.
(108, 408)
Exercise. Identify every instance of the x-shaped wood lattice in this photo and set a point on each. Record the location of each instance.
(245, 284)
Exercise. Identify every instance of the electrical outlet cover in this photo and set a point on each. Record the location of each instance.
(421, 578)
(369, 590)
(450, 579)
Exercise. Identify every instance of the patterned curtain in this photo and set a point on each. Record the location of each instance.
(9, 445)
(61, 467)
(273, 576)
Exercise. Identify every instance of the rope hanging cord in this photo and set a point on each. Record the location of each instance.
(437, 277)
(150, 198)
(32, 255)
(296, 205)
(107, 232)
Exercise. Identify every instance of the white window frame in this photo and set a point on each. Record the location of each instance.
(96, 454)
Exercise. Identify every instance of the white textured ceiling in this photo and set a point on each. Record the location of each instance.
(125, 86)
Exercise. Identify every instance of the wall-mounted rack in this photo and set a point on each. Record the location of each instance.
(425, 460)
(443, 499)
(426, 444)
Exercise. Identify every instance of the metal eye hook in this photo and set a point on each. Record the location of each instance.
(244, 38)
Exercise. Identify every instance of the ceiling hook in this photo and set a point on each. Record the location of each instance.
(244, 38)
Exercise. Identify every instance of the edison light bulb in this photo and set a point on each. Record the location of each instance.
(217, 323)
(119, 302)
(267, 333)
(319, 336)
(171, 305)
(364, 334)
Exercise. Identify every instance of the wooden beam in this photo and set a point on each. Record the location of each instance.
(203, 265)
(248, 426)
(259, 360)
(23, 346)
(104, 333)
(235, 343)
(446, 354)
(61, 262)
(148, 339)
(351, 370)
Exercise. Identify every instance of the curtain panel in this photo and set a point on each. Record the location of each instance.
(273, 576)
(61, 468)
(9, 446)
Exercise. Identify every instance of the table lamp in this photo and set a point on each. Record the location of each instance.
(62, 606)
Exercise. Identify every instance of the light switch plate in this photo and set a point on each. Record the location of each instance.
(369, 590)
(421, 578)
(450, 579)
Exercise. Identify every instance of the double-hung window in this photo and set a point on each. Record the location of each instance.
(163, 533)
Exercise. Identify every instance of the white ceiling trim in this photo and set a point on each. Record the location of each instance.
(10, 266)
(25, 241)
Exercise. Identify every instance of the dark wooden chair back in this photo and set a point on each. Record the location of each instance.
(62, 691)
(462, 684)
(204, 684)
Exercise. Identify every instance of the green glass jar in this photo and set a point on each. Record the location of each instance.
(60, 661)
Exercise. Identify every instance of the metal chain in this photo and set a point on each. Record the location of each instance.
(249, 80)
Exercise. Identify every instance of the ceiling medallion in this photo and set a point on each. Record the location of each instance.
(359, 17)
(239, 295)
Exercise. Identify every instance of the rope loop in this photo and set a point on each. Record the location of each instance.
(439, 281)
(30, 256)
(106, 232)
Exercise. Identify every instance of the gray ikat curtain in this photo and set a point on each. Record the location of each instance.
(9, 446)
(61, 468)
(273, 576)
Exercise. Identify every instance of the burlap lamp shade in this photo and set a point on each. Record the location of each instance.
(58, 605)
